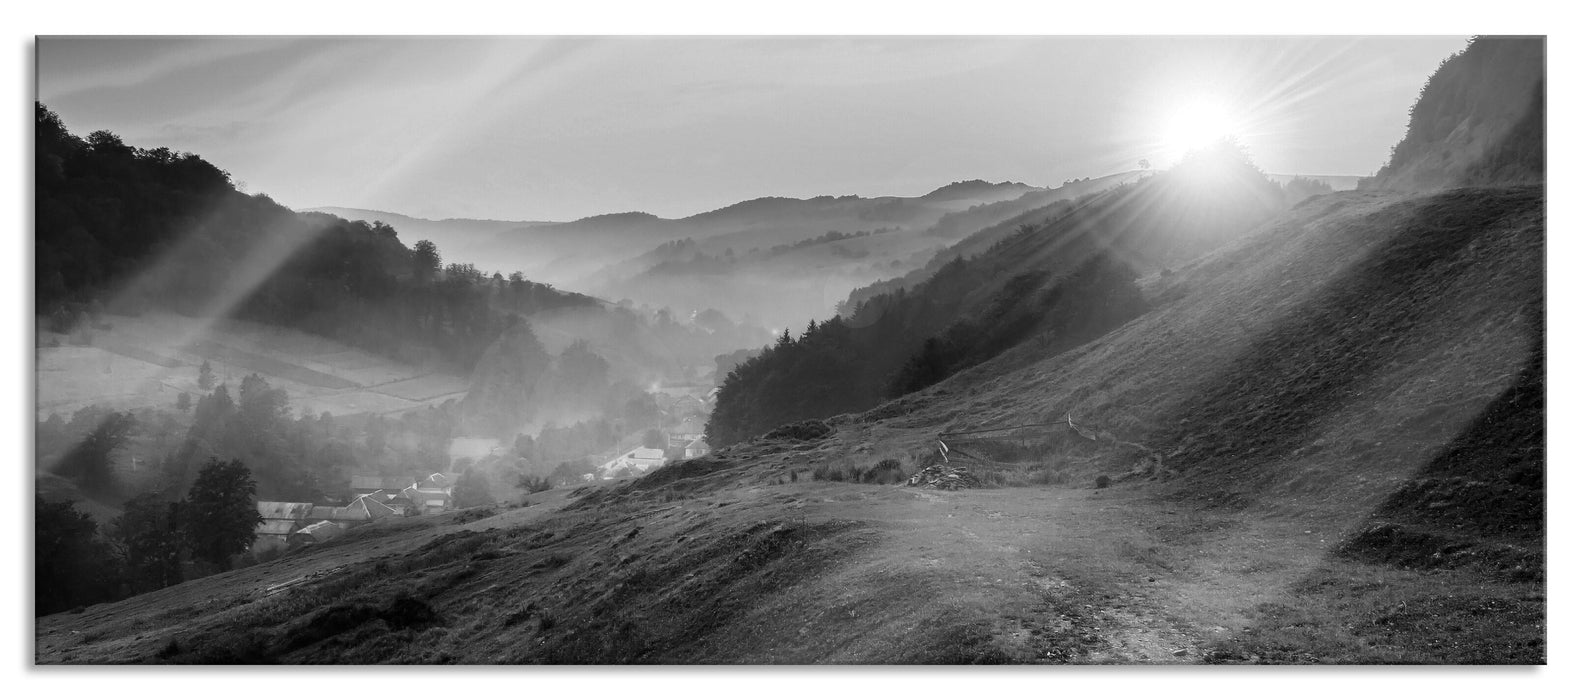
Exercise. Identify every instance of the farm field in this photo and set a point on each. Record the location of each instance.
(147, 361)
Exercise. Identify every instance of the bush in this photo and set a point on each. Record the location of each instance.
(534, 484)
(838, 472)
(1103, 482)
(805, 431)
(887, 471)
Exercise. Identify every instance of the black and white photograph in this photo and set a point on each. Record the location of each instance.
(786, 350)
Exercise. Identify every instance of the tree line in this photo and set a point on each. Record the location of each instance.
(906, 340)
(1062, 281)
(124, 229)
(154, 543)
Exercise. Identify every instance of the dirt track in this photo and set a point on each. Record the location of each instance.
(1020, 575)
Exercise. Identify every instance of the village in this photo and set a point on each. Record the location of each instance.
(368, 498)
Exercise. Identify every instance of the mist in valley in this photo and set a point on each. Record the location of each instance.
(677, 437)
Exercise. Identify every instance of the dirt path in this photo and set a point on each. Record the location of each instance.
(857, 574)
(1111, 576)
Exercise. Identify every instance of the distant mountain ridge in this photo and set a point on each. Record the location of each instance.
(458, 239)
(563, 252)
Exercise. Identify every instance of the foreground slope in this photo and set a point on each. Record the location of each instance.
(1321, 439)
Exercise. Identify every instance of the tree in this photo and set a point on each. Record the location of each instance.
(425, 260)
(1143, 164)
(221, 512)
(205, 376)
(570, 473)
(69, 563)
(183, 402)
(149, 533)
(525, 448)
(533, 484)
(472, 490)
(88, 462)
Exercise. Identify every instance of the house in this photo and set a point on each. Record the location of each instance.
(688, 406)
(439, 480)
(280, 520)
(321, 531)
(362, 510)
(646, 458)
(639, 460)
(697, 448)
(403, 505)
(684, 432)
(428, 501)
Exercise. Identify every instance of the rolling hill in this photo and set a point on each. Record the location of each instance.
(1321, 441)
(459, 240)
(566, 253)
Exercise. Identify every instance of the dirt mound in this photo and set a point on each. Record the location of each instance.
(944, 476)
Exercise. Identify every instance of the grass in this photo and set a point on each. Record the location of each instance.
(1351, 613)
(845, 469)
(1248, 386)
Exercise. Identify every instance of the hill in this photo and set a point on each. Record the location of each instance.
(123, 230)
(1065, 281)
(1478, 120)
(979, 228)
(461, 240)
(146, 361)
(568, 253)
(788, 283)
(1233, 548)
(1319, 439)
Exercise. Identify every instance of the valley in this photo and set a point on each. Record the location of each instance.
(1195, 414)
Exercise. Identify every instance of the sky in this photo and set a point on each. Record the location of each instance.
(558, 128)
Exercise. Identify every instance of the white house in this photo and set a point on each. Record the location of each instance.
(641, 460)
(697, 448)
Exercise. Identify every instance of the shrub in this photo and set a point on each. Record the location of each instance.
(838, 472)
(887, 471)
(805, 431)
(1103, 482)
(534, 484)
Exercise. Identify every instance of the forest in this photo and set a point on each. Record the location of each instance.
(907, 340)
(1064, 274)
(123, 229)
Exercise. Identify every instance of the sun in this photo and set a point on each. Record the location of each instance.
(1195, 124)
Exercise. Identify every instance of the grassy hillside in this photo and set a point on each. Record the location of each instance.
(1317, 437)
(1478, 120)
(146, 361)
(1283, 405)
(1064, 281)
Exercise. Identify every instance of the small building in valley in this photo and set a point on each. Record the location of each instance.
(280, 520)
(697, 448)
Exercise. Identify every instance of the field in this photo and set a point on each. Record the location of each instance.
(131, 362)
